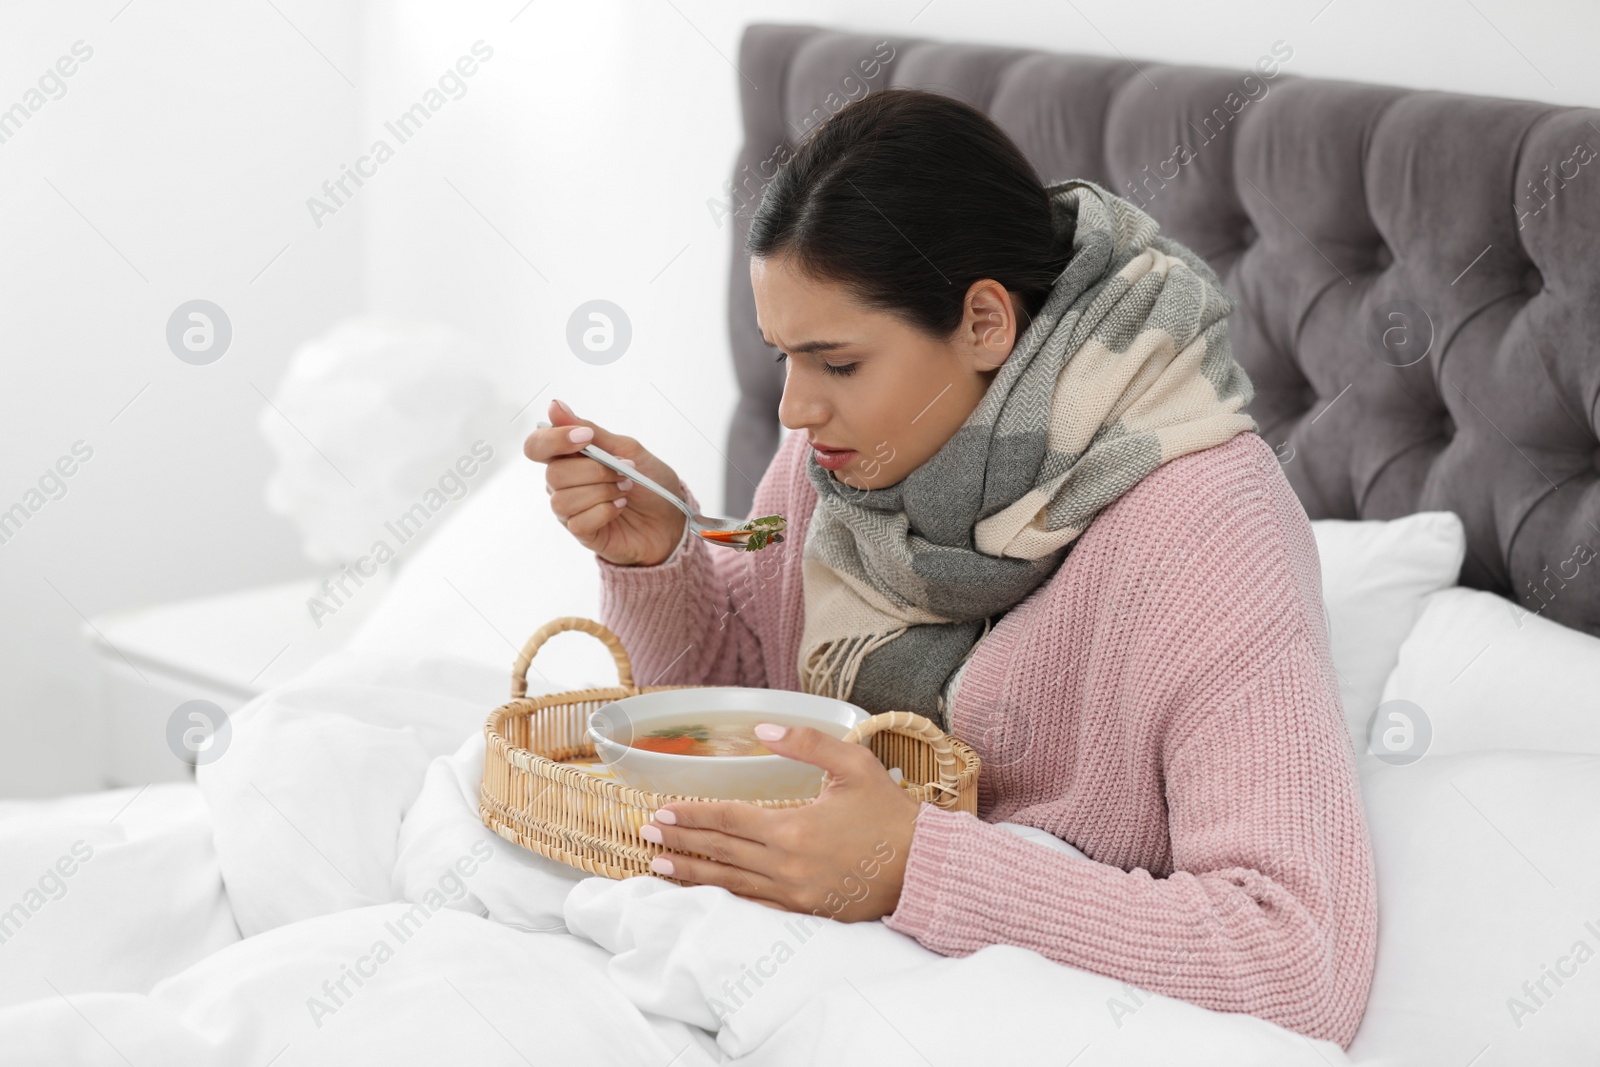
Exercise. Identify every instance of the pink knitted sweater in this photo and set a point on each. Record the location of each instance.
(1165, 702)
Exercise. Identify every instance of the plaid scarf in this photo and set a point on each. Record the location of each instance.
(1126, 366)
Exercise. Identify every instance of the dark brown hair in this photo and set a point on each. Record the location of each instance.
(907, 197)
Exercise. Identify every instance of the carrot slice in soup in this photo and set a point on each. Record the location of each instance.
(677, 746)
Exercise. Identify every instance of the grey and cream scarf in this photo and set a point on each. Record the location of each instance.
(1126, 366)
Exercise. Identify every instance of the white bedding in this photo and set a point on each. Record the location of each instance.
(456, 989)
(346, 817)
(107, 891)
(349, 800)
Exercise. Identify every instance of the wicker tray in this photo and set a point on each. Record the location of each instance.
(538, 793)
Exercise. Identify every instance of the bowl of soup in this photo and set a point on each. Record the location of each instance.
(702, 742)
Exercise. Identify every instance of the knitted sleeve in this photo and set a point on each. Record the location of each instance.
(1271, 909)
(707, 615)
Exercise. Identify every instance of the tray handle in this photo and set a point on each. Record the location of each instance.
(519, 670)
(913, 725)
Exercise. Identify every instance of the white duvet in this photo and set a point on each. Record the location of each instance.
(381, 920)
(328, 894)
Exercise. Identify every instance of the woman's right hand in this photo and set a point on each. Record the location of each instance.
(608, 514)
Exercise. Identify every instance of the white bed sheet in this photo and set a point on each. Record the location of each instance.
(349, 800)
(373, 765)
(110, 891)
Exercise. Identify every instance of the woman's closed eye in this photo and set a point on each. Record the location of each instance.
(832, 368)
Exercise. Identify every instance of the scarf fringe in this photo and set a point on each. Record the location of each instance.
(832, 667)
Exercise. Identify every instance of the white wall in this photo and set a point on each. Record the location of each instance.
(578, 165)
(188, 140)
(590, 144)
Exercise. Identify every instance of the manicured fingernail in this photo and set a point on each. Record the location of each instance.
(625, 484)
(661, 865)
(621, 502)
(663, 815)
(652, 833)
(768, 731)
(562, 405)
(580, 435)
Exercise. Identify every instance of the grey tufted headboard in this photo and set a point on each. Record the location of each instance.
(1417, 274)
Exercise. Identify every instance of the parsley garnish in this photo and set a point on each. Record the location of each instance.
(763, 532)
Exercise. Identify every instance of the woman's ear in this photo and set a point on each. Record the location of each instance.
(989, 328)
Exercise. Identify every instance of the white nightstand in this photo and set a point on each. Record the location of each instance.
(225, 649)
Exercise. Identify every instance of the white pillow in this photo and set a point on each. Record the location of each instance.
(1485, 673)
(1488, 868)
(1375, 575)
(107, 892)
(499, 569)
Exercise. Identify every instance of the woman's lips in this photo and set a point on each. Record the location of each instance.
(833, 459)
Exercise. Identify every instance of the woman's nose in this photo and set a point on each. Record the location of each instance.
(799, 408)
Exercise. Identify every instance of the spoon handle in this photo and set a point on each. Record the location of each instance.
(595, 452)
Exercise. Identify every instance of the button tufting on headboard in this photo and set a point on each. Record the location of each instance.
(1415, 273)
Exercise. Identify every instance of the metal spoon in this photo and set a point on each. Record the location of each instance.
(697, 522)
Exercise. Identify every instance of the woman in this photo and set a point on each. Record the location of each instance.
(1024, 501)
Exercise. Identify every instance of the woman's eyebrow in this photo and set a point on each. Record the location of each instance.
(811, 346)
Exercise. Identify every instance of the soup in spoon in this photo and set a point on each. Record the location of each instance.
(753, 535)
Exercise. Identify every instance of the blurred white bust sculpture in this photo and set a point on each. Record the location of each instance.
(380, 427)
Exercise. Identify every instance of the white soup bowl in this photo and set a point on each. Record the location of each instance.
(613, 725)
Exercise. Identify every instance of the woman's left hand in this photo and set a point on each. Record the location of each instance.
(842, 856)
